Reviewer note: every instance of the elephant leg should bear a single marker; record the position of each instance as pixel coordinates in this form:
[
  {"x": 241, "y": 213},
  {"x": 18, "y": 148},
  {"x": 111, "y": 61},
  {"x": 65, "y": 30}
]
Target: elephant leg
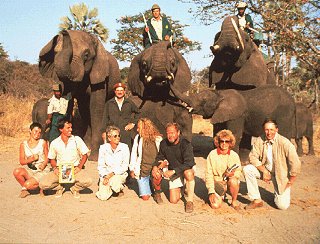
[
  {"x": 299, "y": 146},
  {"x": 184, "y": 119},
  {"x": 97, "y": 103},
  {"x": 83, "y": 106},
  {"x": 310, "y": 145}
]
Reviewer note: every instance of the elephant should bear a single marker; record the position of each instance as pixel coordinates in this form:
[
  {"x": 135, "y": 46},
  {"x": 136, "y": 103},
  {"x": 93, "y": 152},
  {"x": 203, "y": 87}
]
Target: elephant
[
  {"x": 243, "y": 112},
  {"x": 238, "y": 63},
  {"x": 79, "y": 60},
  {"x": 304, "y": 125},
  {"x": 162, "y": 113},
  {"x": 160, "y": 73}
]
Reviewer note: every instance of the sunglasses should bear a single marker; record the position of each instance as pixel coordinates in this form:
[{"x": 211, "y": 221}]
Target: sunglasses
[
  {"x": 115, "y": 136},
  {"x": 224, "y": 141}
]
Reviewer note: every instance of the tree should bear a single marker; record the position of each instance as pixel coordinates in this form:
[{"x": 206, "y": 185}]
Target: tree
[
  {"x": 129, "y": 41},
  {"x": 84, "y": 20},
  {"x": 292, "y": 27},
  {"x": 3, "y": 53}
]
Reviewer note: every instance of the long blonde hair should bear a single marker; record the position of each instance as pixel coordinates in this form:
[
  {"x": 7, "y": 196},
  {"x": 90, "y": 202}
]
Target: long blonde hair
[{"x": 149, "y": 131}]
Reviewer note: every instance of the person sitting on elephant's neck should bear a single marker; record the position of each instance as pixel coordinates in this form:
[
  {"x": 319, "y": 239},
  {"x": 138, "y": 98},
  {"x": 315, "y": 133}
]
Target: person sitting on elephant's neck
[
  {"x": 158, "y": 27},
  {"x": 272, "y": 158},
  {"x": 57, "y": 109},
  {"x": 223, "y": 170},
  {"x": 121, "y": 112},
  {"x": 245, "y": 20}
]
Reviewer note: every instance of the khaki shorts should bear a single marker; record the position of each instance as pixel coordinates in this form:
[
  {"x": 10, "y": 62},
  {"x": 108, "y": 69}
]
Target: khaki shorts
[
  {"x": 37, "y": 174},
  {"x": 179, "y": 182}
]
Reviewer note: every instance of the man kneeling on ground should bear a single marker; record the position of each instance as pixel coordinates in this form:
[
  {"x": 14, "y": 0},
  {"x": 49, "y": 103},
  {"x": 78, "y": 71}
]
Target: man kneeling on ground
[{"x": 174, "y": 161}]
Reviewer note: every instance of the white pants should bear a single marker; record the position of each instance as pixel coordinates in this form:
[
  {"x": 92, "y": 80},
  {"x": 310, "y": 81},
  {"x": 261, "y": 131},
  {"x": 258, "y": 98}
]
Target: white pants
[
  {"x": 115, "y": 184},
  {"x": 251, "y": 174}
]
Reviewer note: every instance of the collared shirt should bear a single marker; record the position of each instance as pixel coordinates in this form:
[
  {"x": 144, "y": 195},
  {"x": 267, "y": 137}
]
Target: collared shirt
[
  {"x": 269, "y": 161},
  {"x": 220, "y": 152},
  {"x": 242, "y": 21},
  {"x": 67, "y": 153},
  {"x": 57, "y": 105},
  {"x": 119, "y": 102},
  {"x": 157, "y": 25},
  {"x": 116, "y": 161}
]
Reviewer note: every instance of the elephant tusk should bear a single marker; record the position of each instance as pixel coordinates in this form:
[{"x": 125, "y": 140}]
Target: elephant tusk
[
  {"x": 214, "y": 48},
  {"x": 169, "y": 77},
  {"x": 149, "y": 78},
  {"x": 172, "y": 75},
  {"x": 238, "y": 33}
]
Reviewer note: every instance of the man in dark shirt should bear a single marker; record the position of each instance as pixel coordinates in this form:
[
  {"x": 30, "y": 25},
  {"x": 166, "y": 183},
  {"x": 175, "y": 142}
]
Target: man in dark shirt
[
  {"x": 121, "y": 112},
  {"x": 175, "y": 161}
]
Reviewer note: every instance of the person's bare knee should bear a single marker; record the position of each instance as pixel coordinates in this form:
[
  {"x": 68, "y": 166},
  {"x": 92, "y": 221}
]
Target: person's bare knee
[
  {"x": 174, "y": 195},
  {"x": 189, "y": 174}
]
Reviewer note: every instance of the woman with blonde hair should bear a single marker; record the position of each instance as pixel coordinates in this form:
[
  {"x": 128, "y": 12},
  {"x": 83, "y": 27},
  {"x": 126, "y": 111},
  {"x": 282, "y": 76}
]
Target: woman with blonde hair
[
  {"x": 223, "y": 170},
  {"x": 144, "y": 151}
]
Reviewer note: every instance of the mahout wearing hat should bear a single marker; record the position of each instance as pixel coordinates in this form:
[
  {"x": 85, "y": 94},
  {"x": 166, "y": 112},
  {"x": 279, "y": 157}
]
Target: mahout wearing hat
[
  {"x": 119, "y": 85},
  {"x": 155, "y": 6}
]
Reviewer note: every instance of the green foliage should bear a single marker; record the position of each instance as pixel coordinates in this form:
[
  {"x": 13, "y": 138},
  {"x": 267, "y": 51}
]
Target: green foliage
[
  {"x": 85, "y": 20},
  {"x": 3, "y": 53},
  {"x": 130, "y": 41}
]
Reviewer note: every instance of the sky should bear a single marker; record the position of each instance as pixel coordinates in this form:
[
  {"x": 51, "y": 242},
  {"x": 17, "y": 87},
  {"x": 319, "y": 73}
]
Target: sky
[{"x": 28, "y": 25}]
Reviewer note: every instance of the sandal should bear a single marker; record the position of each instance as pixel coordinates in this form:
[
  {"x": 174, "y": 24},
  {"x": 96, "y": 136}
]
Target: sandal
[{"x": 236, "y": 207}]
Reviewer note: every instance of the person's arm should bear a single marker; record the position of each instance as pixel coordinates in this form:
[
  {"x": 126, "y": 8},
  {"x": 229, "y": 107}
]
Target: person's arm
[
  {"x": 102, "y": 168},
  {"x": 294, "y": 164},
  {"x": 135, "y": 112},
  {"x": 54, "y": 166},
  {"x": 134, "y": 156},
  {"x": 167, "y": 29},
  {"x": 22, "y": 156},
  {"x": 209, "y": 177},
  {"x": 45, "y": 156},
  {"x": 187, "y": 157}
]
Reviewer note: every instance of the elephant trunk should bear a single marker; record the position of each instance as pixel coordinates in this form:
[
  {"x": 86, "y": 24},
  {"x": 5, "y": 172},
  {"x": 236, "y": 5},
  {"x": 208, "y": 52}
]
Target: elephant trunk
[{"x": 68, "y": 66}]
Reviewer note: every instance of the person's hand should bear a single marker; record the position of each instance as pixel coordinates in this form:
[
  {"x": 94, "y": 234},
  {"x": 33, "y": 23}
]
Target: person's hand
[
  {"x": 48, "y": 121},
  {"x": 42, "y": 166},
  {"x": 156, "y": 173},
  {"x": 163, "y": 164},
  {"x": 168, "y": 173},
  {"x": 215, "y": 200},
  {"x": 35, "y": 157},
  {"x": 146, "y": 29},
  {"x": 266, "y": 176},
  {"x": 132, "y": 174},
  {"x": 106, "y": 180},
  {"x": 56, "y": 171},
  {"x": 166, "y": 38},
  {"x": 289, "y": 184},
  {"x": 229, "y": 174},
  {"x": 129, "y": 126},
  {"x": 77, "y": 170}
]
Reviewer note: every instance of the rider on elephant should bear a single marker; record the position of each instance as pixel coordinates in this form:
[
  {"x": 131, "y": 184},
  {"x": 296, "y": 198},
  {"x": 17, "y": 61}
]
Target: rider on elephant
[
  {"x": 245, "y": 20},
  {"x": 158, "y": 27},
  {"x": 57, "y": 109}
]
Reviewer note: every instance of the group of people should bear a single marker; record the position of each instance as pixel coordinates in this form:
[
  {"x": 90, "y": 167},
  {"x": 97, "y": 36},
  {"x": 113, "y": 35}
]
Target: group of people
[{"x": 152, "y": 158}]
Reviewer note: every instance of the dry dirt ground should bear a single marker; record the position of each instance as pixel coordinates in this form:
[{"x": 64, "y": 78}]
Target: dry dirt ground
[{"x": 47, "y": 219}]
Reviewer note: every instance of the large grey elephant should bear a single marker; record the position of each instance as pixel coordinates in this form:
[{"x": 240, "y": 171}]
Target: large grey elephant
[
  {"x": 237, "y": 62},
  {"x": 304, "y": 125},
  {"x": 160, "y": 73},
  {"x": 88, "y": 71},
  {"x": 244, "y": 112}
]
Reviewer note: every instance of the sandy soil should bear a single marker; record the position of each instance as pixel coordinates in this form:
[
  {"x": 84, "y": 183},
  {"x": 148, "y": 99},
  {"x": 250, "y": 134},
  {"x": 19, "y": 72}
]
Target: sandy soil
[{"x": 128, "y": 218}]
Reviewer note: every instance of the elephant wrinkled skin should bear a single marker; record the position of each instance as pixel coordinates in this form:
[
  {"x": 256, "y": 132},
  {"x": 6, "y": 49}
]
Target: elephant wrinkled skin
[{"x": 88, "y": 71}]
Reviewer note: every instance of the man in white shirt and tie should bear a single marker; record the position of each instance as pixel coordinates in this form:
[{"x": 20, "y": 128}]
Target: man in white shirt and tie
[{"x": 272, "y": 158}]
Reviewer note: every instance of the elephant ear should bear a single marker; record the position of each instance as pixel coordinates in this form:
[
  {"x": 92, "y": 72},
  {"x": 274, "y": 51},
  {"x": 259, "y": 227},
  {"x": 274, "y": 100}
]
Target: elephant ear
[
  {"x": 232, "y": 106},
  {"x": 182, "y": 80},
  {"x": 135, "y": 82},
  {"x": 100, "y": 68},
  {"x": 46, "y": 59}
]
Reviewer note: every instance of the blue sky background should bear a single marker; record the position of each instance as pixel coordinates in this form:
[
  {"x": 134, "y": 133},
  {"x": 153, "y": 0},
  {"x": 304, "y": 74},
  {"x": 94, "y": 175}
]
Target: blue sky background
[{"x": 27, "y": 25}]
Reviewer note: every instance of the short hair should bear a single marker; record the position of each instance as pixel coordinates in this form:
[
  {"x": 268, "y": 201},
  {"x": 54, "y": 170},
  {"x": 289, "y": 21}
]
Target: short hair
[
  {"x": 173, "y": 124},
  {"x": 35, "y": 124},
  {"x": 225, "y": 134},
  {"x": 270, "y": 120},
  {"x": 111, "y": 128},
  {"x": 62, "y": 121}
]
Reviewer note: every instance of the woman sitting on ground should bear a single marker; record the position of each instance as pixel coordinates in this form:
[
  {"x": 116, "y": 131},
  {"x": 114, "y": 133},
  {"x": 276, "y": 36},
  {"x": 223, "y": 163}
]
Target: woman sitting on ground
[
  {"x": 144, "y": 151},
  {"x": 34, "y": 158},
  {"x": 223, "y": 170}
]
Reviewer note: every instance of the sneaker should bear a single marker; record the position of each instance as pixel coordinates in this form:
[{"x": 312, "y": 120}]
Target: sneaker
[
  {"x": 253, "y": 205},
  {"x": 157, "y": 198},
  {"x": 24, "y": 193},
  {"x": 75, "y": 193},
  {"x": 59, "y": 192},
  {"x": 189, "y": 207}
]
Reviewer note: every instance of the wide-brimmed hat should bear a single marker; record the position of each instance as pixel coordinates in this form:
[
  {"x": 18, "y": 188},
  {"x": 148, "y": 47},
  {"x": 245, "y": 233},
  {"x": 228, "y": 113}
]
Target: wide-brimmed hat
[
  {"x": 155, "y": 6},
  {"x": 241, "y": 5},
  {"x": 56, "y": 87},
  {"x": 119, "y": 85}
]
